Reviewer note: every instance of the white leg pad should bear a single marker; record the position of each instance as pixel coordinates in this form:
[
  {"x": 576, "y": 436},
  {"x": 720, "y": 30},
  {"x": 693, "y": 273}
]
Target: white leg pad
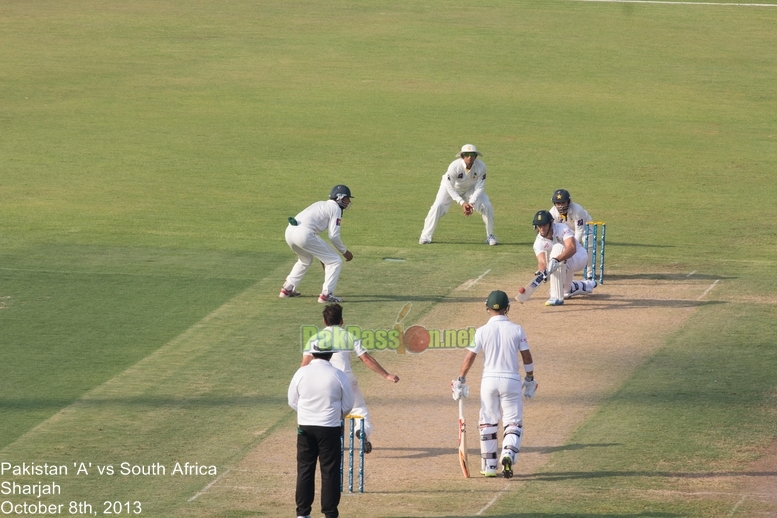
[
  {"x": 582, "y": 288},
  {"x": 512, "y": 441},
  {"x": 488, "y": 446},
  {"x": 557, "y": 279}
]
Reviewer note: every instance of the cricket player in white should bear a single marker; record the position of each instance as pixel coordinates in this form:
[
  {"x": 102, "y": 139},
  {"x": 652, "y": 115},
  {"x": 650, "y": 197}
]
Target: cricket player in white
[
  {"x": 559, "y": 256},
  {"x": 302, "y": 236},
  {"x": 464, "y": 182},
  {"x": 501, "y": 342},
  {"x": 564, "y": 210},
  {"x": 344, "y": 344}
]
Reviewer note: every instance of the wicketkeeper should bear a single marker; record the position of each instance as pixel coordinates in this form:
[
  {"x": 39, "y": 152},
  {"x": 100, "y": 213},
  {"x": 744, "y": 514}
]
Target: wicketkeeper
[
  {"x": 574, "y": 216},
  {"x": 501, "y": 342}
]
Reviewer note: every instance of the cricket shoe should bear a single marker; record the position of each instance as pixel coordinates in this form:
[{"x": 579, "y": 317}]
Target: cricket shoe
[
  {"x": 507, "y": 467},
  {"x": 554, "y": 302},
  {"x": 424, "y": 241},
  {"x": 285, "y": 294},
  {"x": 491, "y": 240},
  {"x": 489, "y": 473},
  {"x": 326, "y": 298}
]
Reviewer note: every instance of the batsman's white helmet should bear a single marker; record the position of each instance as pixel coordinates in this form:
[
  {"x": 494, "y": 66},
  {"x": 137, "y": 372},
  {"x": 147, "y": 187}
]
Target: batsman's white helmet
[{"x": 468, "y": 148}]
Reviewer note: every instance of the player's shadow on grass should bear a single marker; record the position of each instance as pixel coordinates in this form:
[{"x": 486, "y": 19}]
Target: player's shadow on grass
[
  {"x": 545, "y": 450},
  {"x": 593, "y": 475},
  {"x": 666, "y": 277},
  {"x": 647, "y": 514},
  {"x": 440, "y": 299},
  {"x": 599, "y": 301},
  {"x": 579, "y": 515},
  {"x": 181, "y": 403},
  {"x": 424, "y": 453}
]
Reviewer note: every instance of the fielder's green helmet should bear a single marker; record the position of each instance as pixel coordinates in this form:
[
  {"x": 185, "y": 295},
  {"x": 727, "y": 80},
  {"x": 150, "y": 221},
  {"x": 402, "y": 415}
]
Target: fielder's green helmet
[
  {"x": 497, "y": 300},
  {"x": 543, "y": 217}
]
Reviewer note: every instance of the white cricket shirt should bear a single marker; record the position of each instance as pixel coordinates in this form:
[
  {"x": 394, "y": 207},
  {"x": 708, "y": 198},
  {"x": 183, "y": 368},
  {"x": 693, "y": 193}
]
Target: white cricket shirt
[
  {"x": 500, "y": 342},
  {"x": 458, "y": 180},
  {"x": 321, "y": 216},
  {"x": 321, "y": 394}
]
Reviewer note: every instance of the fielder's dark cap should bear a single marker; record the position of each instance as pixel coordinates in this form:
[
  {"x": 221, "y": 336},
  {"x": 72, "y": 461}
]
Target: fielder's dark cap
[{"x": 497, "y": 300}]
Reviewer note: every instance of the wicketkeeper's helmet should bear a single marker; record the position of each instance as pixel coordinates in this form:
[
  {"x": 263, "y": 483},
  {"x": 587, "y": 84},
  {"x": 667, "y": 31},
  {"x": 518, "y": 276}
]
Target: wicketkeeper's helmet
[
  {"x": 561, "y": 196},
  {"x": 543, "y": 217},
  {"x": 339, "y": 191}
]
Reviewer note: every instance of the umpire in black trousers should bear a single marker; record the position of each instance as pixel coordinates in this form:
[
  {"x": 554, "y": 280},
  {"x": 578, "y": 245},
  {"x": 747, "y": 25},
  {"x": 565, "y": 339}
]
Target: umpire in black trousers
[{"x": 322, "y": 395}]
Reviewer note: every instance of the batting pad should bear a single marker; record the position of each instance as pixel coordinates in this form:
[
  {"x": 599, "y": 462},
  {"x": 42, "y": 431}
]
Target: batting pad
[{"x": 557, "y": 279}]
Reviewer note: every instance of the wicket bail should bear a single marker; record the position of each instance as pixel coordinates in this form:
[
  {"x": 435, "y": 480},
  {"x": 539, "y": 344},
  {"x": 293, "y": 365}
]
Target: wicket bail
[
  {"x": 591, "y": 228},
  {"x": 351, "y": 433}
]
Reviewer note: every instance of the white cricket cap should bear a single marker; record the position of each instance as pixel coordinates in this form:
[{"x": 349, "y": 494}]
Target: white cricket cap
[{"x": 468, "y": 148}]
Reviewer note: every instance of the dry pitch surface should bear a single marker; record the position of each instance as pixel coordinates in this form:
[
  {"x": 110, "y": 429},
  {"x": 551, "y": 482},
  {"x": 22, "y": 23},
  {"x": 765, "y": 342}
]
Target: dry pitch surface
[{"x": 583, "y": 352}]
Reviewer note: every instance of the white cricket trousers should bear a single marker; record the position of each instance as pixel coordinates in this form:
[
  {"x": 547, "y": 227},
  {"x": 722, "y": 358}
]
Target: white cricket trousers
[
  {"x": 500, "y": 399},
  {"x": 360, "y": 407},
  {"x": 308, "y": 245},
  {"x": 574, "y": 264},
  {"x": 443, "y": 203}
]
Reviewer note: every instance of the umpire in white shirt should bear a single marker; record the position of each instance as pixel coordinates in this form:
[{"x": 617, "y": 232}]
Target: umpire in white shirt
[{"x": 322, "y": 396}]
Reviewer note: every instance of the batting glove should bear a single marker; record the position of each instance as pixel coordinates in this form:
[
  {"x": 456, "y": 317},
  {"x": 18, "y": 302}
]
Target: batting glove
[
  {"x": 529, "y": 388},
  {"x": 460, "y": 389},
  {"x": 553, "y": 266},
  {"x": 544, "y": 274}
]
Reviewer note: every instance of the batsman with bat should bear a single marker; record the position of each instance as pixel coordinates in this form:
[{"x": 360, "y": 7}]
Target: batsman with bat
[
  {"x": 559, "y": 256},
  {"x": 501, "y": 343},
  {"x": 464, "y": 182}
]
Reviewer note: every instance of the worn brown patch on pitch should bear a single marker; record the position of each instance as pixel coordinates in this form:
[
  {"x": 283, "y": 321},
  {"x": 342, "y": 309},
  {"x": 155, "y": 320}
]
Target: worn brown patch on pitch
[{"x": 583, "y": 352}]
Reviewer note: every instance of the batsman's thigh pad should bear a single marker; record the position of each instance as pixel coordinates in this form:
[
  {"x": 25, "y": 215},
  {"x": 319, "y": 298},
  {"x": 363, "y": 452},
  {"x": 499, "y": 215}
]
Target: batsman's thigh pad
[{"x": 577, "y": 262}]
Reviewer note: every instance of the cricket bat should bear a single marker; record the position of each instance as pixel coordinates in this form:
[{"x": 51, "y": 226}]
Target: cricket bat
[
  {"x": 529, "y": 289},
  {"x": 463, "y": 441},
  {"x": 402, "y": 314}
]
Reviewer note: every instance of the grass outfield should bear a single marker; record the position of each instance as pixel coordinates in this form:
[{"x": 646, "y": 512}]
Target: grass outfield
[{"x": 152, "y": 151}]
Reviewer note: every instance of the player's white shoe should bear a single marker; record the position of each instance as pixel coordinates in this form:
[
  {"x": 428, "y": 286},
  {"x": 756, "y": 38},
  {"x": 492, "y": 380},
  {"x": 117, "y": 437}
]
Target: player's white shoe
[
  {"x": 491, "y": 240},
  {"x": 289, "y": 293},
  {"x": 554, "y": 302},
  {"x": 328, "y": 298},
  {"x": 424, "y": 241},
  {"x": 489, "y": 472}
]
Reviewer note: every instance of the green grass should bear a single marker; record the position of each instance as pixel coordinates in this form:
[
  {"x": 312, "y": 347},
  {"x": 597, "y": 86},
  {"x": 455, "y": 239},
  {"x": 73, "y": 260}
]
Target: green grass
[
  {"x": 703, "y": 406},
  {"x": 152, "y": 151}
]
